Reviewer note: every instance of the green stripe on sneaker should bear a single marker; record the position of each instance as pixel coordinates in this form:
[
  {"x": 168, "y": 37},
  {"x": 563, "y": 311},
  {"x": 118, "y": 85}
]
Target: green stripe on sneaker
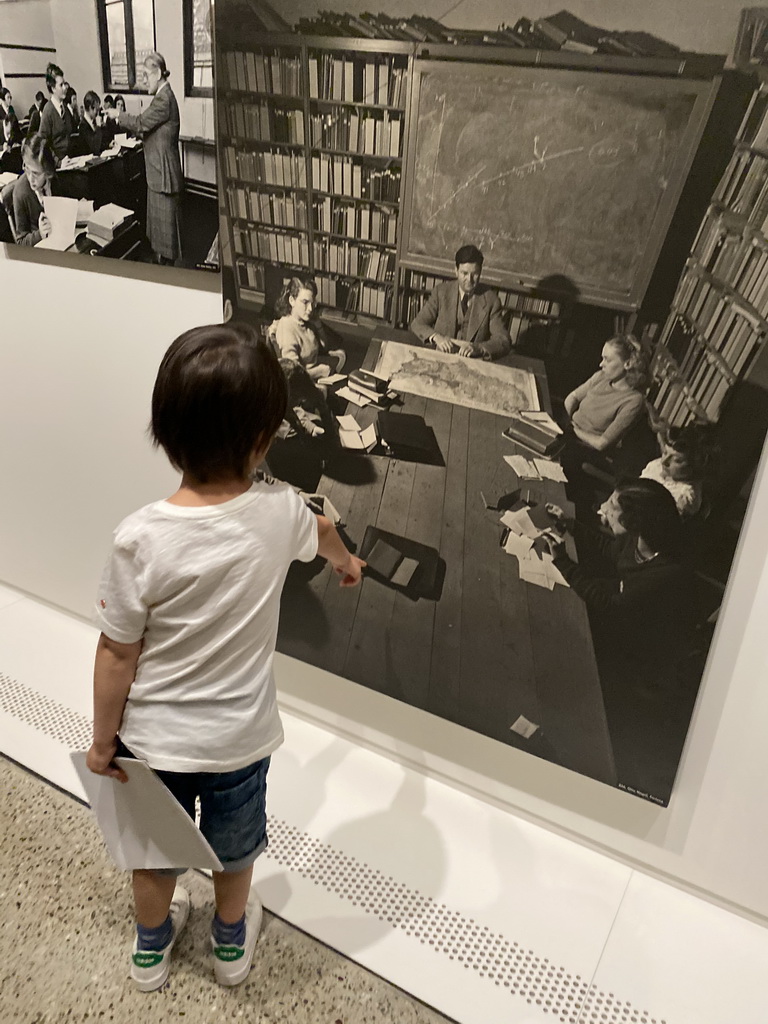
[
  {"x": 145, "y": 958},
  {"x": 229, "y": 953}
]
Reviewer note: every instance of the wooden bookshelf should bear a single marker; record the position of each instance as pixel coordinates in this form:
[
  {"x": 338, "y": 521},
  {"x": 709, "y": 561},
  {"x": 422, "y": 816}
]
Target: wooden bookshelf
[
  {"x": 313, "y": 139},
  {"x": 718, "y": 321}
]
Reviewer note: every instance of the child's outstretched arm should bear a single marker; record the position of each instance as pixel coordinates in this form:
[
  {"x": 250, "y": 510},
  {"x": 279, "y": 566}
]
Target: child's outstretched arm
[
  {"x": 331, "y": 547},
  {"x": 113, "y": 673}
]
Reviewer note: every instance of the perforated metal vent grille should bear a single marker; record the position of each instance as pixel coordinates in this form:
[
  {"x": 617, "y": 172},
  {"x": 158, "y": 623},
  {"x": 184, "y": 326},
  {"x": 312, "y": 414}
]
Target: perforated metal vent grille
[{"x": 569, "y": 998}]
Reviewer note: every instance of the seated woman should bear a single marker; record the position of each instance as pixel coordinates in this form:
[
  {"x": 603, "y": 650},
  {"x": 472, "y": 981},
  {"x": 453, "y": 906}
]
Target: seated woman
[
  {"x": 300, "y": 339},
  {"x": 687, "y": 460},
  {"x": 37, "y": 181},
  {"x": 10, "y": 146}
]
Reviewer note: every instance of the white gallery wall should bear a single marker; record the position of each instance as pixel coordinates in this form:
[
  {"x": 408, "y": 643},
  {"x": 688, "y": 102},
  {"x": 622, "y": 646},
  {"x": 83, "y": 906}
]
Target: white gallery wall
[{"x": 78, "y": 353}]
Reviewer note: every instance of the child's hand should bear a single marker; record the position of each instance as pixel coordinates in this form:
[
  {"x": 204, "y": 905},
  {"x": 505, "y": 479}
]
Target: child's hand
[
  {"x": 44, "y": 226},
  {"x": 99, "y": 761},
  {"x": 351, "y": 571}
]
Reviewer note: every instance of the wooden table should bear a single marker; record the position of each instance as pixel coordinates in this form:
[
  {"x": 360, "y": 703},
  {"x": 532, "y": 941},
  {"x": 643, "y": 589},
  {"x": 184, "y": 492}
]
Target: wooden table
[{"x": 492, "y": 647}]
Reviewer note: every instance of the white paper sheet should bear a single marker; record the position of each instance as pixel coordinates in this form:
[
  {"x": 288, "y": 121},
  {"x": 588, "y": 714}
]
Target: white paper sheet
[
  {"x": 523, "y": 467},
  {"x": 353, "y": 397},
  {"x": 521, "y": 523},
  {"x": 334, "y": 378},
  {"x": 348, "y": 422},
  {"x": 517, "y": 545},
  {"x": 550, "y": 470},
  {"x": 369, "y": 436},
  {"x": 143, "y": 825},
  {"x": 351, "y": 439},
  {"x": 62, "y": 213}
]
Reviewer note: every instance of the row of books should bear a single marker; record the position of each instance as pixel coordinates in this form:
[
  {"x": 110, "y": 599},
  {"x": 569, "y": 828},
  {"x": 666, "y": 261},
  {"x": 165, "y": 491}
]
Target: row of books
[
  {"x": 695, "y": 389},
  {"x": 345, "y": 176},
  {"x": 368, "y": 223},
  {"x": 740, "y": 263},
  {"x": 721, "y": 321},
  {"x": 561, "y": 31},
  {"x": 354, "y": 296},
  {"x": 262, "y": 122},
  {"x": 251, "y": 276},
  {"x": 265, "y": 71},
  {"x": 369, "y": 82},
  {"x": 287, "y": 210},
  {"x": 744, "y": 186},
  {"x": 754, "y": 126},
  {"x": 269, "y": 167},
  {"x": 374, "y": 133},
  {"x": 273, "y": 245},
  {"x": 354, "y": 260}
]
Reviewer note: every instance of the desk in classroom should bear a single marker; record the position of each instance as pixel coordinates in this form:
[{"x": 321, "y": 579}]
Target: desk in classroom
[
  {"x": 118, "y": 179},
  {"x": 492, "y": 647}
]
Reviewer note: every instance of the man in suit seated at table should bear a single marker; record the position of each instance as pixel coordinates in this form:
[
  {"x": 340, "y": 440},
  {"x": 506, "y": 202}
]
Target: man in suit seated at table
[
  {"x": 464, "y": 317},
  {"x": 56, "y": 122}
]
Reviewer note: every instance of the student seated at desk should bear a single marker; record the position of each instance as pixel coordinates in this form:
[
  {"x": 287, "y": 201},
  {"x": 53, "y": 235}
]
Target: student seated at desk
[
  {"x": 37, "y": 181},
  {"x": 10, "y": 147},
  {"x": 120, "y": 105},
  {"x": 464, "y": 317},
  {"x": 74, "y": 107},
  {"x": 300, "y": 339},
  {"x": 95, "y": 135},
  {"x": 6, "y": 106},
  {"x": 35, "y": 113}
]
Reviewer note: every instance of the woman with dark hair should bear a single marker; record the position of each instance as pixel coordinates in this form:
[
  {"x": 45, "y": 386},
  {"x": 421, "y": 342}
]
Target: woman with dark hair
[
  {"x": 159, "y": 128},
  {"x": 297, "y": 336},
  {"x": 687, "y": 462},
  {"x": 37, "y": 182},
  {"x": 120, "y": 104}
]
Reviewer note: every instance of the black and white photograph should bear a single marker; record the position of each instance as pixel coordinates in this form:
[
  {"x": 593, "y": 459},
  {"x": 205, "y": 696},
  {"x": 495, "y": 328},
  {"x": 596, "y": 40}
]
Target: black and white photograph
[
  {"x": 108, "y": 144},
  {"x": 514, "y": 264}
]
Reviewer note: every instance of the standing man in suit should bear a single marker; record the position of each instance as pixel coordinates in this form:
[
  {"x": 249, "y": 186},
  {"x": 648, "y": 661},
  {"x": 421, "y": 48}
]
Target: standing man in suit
[
  {"x": 464, "y": 317},
  {"x": 56, "y": 122},
  {"x": 159, "y": 127}
]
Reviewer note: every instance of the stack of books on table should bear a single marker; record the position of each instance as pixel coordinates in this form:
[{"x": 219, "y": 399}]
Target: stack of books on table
[
  {"x": 108, "y": 222},
  {"x": 374, "y": 389},
  {"x": 534, "y": 430}
]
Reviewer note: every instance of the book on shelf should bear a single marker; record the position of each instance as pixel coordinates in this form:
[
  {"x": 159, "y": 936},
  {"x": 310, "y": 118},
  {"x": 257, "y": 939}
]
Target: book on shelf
[
  {"x": 354, "y": 259},
  {"x": 268, "y": 167},
  {"x": 372, "y": 133},
  {"x": 344, "y": 176},
  {"x": 752, "y": 36},
  {"x": 355, "y": 220},
  {"x": 367, "y": 82},
  {"x": 260, "y": 121},
  {"x": 262, "y": 72}
]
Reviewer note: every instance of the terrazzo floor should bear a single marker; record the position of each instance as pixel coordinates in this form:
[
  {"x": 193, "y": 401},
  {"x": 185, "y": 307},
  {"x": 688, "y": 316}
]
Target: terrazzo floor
[{"x": 67, "y": 926}]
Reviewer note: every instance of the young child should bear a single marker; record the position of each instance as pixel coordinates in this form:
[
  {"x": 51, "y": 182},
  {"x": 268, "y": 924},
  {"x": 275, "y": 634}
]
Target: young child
[
  {"x": 188, "y": 608},
  {"x": 687, "y": 454},
  {"x": 297, "y": 337}
]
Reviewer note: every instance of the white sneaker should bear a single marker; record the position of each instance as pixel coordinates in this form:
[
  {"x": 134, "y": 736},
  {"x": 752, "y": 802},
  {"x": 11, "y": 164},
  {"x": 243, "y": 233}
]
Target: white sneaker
[
  {"x": 149, "y": 967},
  {"x": 231, "y": 964}
]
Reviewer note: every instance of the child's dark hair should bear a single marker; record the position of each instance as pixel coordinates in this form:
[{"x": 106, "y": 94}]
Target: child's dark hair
[
  {"x": 697, "y": 444},
  {"x": 219, "y": 394},
  {"x": 291, "y": 291}
]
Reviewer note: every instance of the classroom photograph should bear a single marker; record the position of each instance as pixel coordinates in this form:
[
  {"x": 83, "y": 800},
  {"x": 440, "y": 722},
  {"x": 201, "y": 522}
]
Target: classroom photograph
[
  {"x": 516, "y": 273},
  {"x": 108, "y": 144}
]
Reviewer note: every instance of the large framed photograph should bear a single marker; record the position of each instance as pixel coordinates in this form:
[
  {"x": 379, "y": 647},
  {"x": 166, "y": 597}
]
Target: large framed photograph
[
  {"x": 517, "y": 280},
  {"x": 108, "y": 145}
]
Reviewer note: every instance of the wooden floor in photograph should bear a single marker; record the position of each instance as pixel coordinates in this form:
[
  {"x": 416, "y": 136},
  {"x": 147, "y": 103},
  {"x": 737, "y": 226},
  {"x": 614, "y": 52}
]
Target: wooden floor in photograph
[{"x": 488, "y": 647}]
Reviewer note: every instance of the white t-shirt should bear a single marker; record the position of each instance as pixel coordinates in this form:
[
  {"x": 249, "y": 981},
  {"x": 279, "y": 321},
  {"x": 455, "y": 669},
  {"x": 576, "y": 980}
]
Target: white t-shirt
[
  {"x": 687, "y": 496},
  {"x": 202, "y": 587}
]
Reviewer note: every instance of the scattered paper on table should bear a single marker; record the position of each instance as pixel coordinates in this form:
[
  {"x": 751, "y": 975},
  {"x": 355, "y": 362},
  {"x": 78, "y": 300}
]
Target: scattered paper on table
[
  {"x": 523, "y": 727},
  {"x": 369, "y": 437},
  {"x": 351, "y": 439},
  {"x": 348, "y": 422},
  {"x": 522, "y": 466},
  {"x": 334, "y": 378},
  {"x": 517, "y": 545},
  {"x": 550, "y": 470},
  {"x": 520, "y": 523},
  {"x": 62, "y": 213},
  {"x": 352, "y": 396},
  {"x": 533, "y": 570}
]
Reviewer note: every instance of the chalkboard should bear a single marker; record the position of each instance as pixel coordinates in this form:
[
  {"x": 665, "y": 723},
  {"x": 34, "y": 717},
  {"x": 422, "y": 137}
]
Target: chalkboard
[{"x": 549, "y": 171}]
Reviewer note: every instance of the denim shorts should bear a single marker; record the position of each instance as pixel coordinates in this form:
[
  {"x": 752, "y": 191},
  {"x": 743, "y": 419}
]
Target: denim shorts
[{"x": 233, "y": 816}]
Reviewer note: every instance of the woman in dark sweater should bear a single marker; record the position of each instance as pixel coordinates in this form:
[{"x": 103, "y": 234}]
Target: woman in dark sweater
[{"x": 643, "y": 612}]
